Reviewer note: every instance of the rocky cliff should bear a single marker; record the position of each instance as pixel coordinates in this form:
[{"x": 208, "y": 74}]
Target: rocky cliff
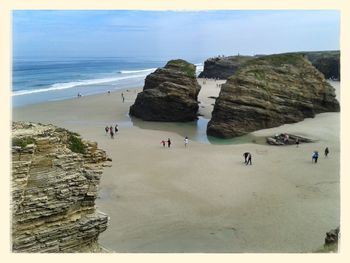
[
  {"x": 55, "y": 177},
  {"x": 169, "y": 94},
  {"x": 270, "y": 91},
  {"x": 327, "y": 62},
  {"x": 222, "y": 67}
]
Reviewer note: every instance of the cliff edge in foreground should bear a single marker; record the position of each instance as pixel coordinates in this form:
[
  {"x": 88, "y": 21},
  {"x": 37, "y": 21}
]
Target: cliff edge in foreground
[{"x": 55, "y": 177}]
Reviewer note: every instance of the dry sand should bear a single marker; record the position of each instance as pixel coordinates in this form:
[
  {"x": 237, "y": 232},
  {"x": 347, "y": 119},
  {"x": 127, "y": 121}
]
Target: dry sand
[{"x": 203, "y": 198}]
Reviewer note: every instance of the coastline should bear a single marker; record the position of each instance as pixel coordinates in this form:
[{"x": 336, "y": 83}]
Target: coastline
[{"x": 203, "y": 198}]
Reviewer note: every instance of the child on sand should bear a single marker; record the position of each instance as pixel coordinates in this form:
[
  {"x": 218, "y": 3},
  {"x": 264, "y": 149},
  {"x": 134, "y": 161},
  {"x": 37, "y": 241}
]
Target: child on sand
[
  {"x": 106, "y": 129},
  {"x": 163, "y": 143},
  {"x": 186, "y": 141},
  {"x": 112, "y": 134},
  {"x": 116, "y": 128}
]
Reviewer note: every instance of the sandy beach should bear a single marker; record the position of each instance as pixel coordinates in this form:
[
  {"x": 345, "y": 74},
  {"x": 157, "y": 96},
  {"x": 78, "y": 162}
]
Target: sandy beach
[{"x": 203, "y": 198}]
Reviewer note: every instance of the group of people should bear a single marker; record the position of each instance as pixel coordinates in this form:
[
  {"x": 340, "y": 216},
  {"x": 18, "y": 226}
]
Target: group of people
[
  {"x": 315, "y": 155},
  {"x": 248, "y": 156},
  {"x": 110, "y": 130},
  {"x": 163, "y": 142},
  {"x": 168, "y": 142}
]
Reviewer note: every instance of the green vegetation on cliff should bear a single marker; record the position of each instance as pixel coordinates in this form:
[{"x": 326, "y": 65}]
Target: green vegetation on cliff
[
  {"x": 277, "y": 60},
  {"x": 183, "y": 66},
  {"x": 22, "y": 142},
  {"x": 75, "y": 144}
]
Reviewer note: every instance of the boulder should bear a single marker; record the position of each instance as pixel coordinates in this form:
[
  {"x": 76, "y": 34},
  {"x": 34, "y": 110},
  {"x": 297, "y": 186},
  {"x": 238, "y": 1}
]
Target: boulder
[
  {"x": 286, "y": 139},
  {"x": 169, "y": 94},
  {"x": 270, "y": 91},
  {"x": 332, "y": 237}
]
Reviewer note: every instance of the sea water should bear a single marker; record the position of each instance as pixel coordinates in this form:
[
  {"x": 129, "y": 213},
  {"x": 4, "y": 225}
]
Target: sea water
[{"x": 36, "y": 80}]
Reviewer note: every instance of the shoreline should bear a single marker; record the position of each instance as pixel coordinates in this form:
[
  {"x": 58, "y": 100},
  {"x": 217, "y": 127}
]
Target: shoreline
[{"x": 203, "y": 198}]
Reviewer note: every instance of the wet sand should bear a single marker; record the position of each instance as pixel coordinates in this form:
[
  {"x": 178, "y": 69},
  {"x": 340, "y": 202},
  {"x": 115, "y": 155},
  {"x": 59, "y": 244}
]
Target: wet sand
[{"x": 203, "y": 198}]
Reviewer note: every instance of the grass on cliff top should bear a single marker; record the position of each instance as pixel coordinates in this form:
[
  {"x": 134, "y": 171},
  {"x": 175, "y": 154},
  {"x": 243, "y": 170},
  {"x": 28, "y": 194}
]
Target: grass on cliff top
[
  {"x": 22, "y": 142},
  {"x": 75, "y": 144},
  {"x": 184, "y": 66},
  {"x": 277, "y": 60},
  {"x": 272, "y": 60}
]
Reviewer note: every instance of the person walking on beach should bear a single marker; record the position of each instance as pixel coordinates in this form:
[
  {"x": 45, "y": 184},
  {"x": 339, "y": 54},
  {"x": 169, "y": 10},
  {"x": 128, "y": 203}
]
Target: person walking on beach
[
  {"x": 186, "y": 141},
  {"x": 246, "y": 157},
  {"x": 249, "y": 159},
  {"x": 106, "y": 129},
  {"x": 163, "y": 143},
  {"x": 326, "y": 152},
  {"x": 123, "y": 97},
  {"x": 169, "y": 142},
  {"x": 116, "y": 128},
  {"x": 297, "y": 142},
  {"x": 111, "y": 133},
  {"x": 315, "y": 156}
]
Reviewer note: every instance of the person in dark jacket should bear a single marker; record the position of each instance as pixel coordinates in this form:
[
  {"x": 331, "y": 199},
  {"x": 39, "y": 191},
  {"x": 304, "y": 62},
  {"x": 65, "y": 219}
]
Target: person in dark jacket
[
  {"x": 326, "y": 152},
  {"x": 245, "y": 157}
]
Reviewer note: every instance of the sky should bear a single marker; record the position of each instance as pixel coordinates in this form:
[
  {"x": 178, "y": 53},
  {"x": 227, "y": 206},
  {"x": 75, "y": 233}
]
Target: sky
[{"x": 172, "y": 34}]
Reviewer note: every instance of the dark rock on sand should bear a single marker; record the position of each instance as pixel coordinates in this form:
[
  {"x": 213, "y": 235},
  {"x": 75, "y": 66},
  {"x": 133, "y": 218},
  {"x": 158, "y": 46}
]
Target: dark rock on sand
[
  {"x": 268, "y": 92},
  {"x": 169, "y": 94},
  {"x": 332, "y": 237},
  {"x": 222, "y": 67},
  {"x": 286, "y": 139}
]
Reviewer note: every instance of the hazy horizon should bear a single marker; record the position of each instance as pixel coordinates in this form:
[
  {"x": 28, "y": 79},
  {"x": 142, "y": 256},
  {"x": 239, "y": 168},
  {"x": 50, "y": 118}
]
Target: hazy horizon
[{"x": 172, "y": 34}]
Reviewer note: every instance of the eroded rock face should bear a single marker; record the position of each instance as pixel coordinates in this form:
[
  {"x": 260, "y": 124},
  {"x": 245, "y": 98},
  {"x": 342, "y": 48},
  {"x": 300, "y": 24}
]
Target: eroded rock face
[
  {"x": 327, "y": 62},
  {"x": 223, "y": 67},
  {"x": 54, "y": 191},
  {"x": 268, "y": 92},
  {"x": 169, "y": 94}
]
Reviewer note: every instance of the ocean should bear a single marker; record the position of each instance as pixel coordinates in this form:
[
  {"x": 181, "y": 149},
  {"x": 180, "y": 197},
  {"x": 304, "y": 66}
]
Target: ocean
[{"x": 36, "y": 80}]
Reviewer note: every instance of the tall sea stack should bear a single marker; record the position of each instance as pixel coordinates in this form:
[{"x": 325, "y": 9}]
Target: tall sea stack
[
  {"x": 169, "y": 94},
  {"x": 270, "y": 91}
]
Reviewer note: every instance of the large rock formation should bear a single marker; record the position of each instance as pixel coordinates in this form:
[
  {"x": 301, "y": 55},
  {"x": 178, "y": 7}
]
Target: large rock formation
[
  {"x": 268, "y": 92},
  {"x": 223, "y": 67},
  {"x": 54, "y": 190},
  {"x": 169, "y": 94},
  {"x": 327, "y": 62}
]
